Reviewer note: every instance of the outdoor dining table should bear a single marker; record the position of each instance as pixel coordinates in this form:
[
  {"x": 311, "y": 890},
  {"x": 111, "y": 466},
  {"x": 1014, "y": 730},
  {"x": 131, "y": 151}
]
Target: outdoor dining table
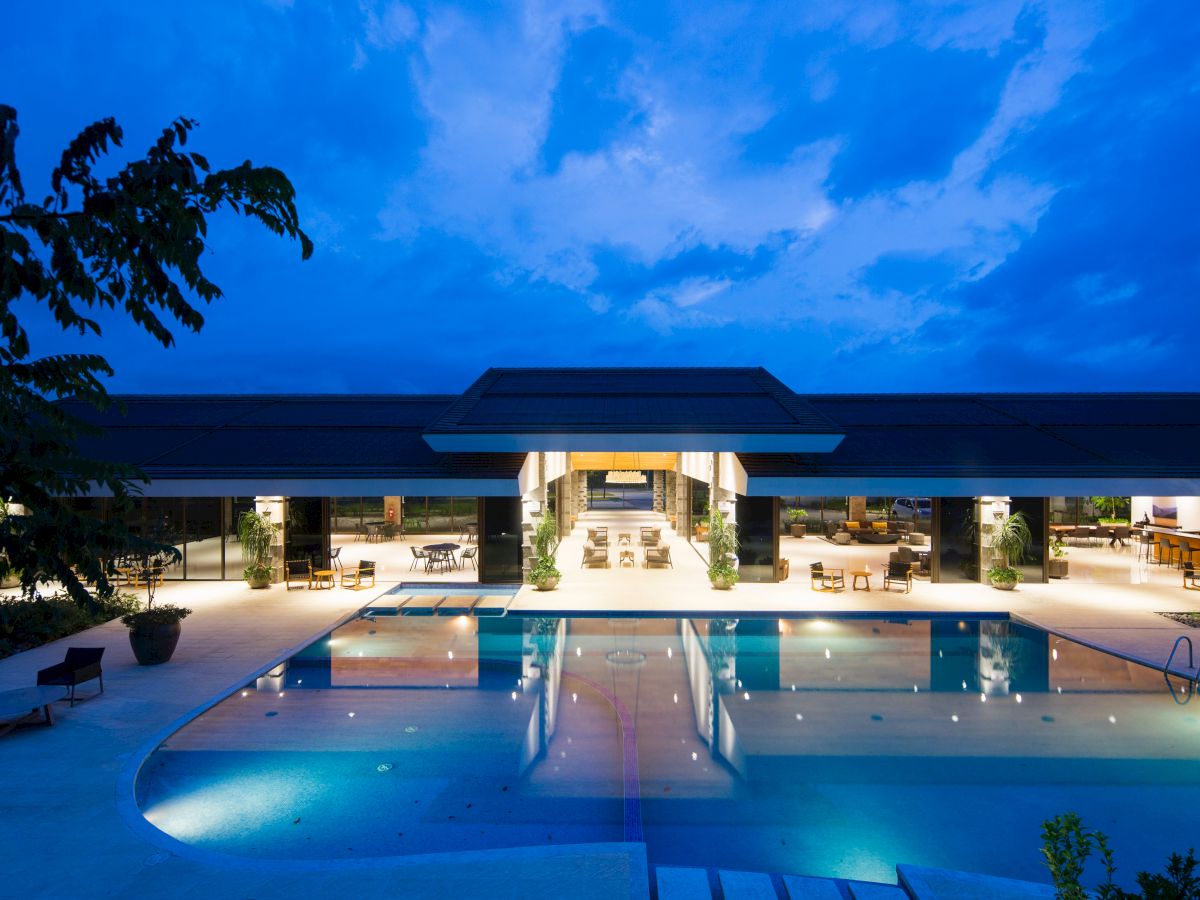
[{"x": 443, "y": 554}]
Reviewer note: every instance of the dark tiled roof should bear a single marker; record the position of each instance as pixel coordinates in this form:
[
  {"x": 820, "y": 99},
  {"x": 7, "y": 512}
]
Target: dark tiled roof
[
  {"x": 642, "y": 400},
  {"x": 293, "y": 436},
  {"x": 1026, "y": 435}
]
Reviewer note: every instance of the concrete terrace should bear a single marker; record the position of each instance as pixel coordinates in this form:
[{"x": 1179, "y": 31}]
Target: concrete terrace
[{"x": 65, "y": 835}]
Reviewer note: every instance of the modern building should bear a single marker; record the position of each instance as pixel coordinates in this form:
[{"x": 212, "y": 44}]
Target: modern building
[{"x": 919, "y": 477}]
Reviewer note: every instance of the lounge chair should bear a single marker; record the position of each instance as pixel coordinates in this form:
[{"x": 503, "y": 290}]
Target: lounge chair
[
  {"x": 355, "y": 577},
  {"x": 827, "y": 579},
  {"x": 593, "y": 555},
  {"x": 297, "y": 570},
  {"x": 898, "y": 573},
  {"x": 82, "y": 664},
  {"x": 658, "y": 555}
]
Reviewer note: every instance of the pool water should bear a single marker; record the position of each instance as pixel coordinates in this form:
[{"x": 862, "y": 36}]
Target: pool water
[{"x": 835, "y": 747}]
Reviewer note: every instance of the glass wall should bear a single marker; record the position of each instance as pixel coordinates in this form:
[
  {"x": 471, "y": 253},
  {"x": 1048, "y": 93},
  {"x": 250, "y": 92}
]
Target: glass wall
[
  {"x": 438, "y": 515},
  {"x": 1033, "y": 566},
  {"x": 957, "y": 540},
  {"x": 1089, "y": 510},
  {"x": 305, "y": 532},
  {"x": 204, "y": 542},
  {"x": 698, "y": 504},
  {"x": 500, "y": 540},
  {"x": 756, "y": 529}
]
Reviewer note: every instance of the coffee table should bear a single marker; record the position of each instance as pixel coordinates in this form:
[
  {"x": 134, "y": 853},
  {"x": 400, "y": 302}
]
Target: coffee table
[
  {"x": 19, "y": 705},
  {"x": 626, "y": 556},
  {"x": 323, "y": 579},
  {"x": 864, "y": 574}
]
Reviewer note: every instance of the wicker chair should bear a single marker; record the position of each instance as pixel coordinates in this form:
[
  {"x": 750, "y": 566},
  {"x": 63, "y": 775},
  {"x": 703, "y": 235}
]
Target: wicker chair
[
  {"x": 355, "y": 577},
  {"x": 827, "y": 579},
  {"x": 298, "y": 570},
  {"x": 898, "y": 573}
]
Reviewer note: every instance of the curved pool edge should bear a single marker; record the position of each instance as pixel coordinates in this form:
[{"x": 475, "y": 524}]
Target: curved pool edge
[
  {"x": 131, "y": 813},
  {"x": 126, "y": 787}
]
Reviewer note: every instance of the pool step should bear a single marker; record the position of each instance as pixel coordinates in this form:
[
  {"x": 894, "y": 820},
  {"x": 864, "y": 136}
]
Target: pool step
[
  {"x": 680, "y": 883},
  {"x": 677, "y": 883},
  {"x": 916, "y": 883},
  {"x": 866, "y": 890},
  {"x": 802, "y": 887},
  {"x": 747, "y": 886}
]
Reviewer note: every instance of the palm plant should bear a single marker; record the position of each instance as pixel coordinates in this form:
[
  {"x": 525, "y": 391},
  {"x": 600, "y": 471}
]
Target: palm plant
[
  {"x": 1011, "y": 540},
  {"x": 256, "y": 532},
  {"x": 545, "y": 545},
  {"x": 722, "y": 548}
]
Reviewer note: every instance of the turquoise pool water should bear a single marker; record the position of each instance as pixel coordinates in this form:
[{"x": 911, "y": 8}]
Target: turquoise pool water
[{"x": 823, "y": 746}]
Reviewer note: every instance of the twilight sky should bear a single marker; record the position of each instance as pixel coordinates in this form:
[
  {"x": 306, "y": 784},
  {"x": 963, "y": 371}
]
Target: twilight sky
[{"x": 860, "y": 195}]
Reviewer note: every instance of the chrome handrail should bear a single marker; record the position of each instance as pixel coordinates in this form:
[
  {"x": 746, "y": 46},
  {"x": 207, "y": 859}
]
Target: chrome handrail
[
  {"x": 1189, "y": 681},
  {"x": 1174, "y": 649}
]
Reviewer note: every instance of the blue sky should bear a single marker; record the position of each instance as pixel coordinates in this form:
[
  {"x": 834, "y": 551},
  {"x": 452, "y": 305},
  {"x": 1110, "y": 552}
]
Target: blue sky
[{"x": 857, "y": 195}]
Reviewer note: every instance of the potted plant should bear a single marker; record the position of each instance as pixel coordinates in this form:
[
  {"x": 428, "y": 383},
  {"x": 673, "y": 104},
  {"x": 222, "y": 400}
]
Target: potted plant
[
  {"x": 1004, "y": 578},
  {"x": 1010, "y": 541},
  {"x": 154, "y": 631},
  {"x": 256, "y": 532},
  {"x": 722, "y": 550},
  {"x": 1056, "y": 566},
  {"x": 796, "y": 517},
  {"x": 545, "y": 574}
]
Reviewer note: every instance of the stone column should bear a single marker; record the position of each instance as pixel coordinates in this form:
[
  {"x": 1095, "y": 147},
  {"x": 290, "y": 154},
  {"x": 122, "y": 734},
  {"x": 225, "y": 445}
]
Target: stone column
[
  {"x": 580, "y": 491},
  {"x": 669, "y": 498},
  {"x": 659, "y": 502},
  {"x": 857, "y": 510}
]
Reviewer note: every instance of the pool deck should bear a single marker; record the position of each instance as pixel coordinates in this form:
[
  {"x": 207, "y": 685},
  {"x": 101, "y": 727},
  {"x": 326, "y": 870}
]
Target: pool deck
[{"x": 65, "y": 836}]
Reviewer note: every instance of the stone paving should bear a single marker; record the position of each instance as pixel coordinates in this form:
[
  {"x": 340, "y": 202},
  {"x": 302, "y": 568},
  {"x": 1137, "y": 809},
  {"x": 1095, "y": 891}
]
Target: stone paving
[{"x": 63, "y": 835}]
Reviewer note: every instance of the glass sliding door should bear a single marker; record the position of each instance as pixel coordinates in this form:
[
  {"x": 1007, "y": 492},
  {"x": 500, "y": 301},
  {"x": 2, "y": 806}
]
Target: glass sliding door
[
  {"x": 204, "y": 537},
  {"x": 757, "y": 546},
  {"x": 957, "y": 540},
  {"x": 1034, "y": 509}
]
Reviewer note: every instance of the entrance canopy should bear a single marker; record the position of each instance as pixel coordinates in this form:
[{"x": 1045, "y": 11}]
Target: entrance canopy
[{"x": 645, "y": 409}]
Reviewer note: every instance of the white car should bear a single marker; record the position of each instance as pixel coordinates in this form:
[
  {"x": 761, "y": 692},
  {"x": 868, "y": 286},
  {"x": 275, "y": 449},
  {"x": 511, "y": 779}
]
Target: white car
[{"x": 912, "y": 508}]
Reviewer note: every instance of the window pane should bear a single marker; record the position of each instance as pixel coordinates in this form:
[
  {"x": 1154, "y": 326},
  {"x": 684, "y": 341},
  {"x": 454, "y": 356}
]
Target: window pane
[{"x": 204, "y": 537}]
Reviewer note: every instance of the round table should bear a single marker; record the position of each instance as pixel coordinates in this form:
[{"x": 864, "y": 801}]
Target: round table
[
  {"x": 443, "y": 553},
  {"x": 864, "y": 574}
]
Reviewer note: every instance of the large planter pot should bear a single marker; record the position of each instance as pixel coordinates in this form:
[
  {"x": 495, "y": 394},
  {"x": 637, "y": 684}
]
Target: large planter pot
[
  {"x": 798, "y": 530},
  {"x": 1004, "y": 585},
  {"x": 260, "y": 582},
  {"x": 548, "y": 585},
  {"x": 154, "y": 644},
  {"x": 721, "y": 584},
  {"x": 1056, "y": 568}
]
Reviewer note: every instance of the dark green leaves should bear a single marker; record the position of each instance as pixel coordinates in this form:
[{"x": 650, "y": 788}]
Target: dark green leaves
[{"x": 131, "y": 241}]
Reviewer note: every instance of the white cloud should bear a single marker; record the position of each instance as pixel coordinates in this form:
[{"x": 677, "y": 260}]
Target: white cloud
[
  {"x": 678, "y": 181},
  {"x": 388, "y": 24}
]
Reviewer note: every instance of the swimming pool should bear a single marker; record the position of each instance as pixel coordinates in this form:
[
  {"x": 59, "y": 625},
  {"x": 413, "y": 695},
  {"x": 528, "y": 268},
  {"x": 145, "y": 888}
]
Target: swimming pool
[{"x": 823, "y": 746}]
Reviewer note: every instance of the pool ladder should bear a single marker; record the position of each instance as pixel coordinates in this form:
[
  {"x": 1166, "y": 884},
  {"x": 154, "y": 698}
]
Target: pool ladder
[{"x": 1191, "y": 681}]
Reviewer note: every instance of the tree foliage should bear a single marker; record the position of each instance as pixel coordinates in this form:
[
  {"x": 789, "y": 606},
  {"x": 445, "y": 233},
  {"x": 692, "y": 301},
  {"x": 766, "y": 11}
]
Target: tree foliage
[{"x": 133, "y": 243}]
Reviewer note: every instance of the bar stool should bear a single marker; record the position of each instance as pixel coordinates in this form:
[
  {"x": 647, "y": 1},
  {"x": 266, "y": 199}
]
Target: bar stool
[
  {"x": 1186, "y": 552},
  {"x": 1164, "y": 551},
  {"x": 1177, "y": 550}
]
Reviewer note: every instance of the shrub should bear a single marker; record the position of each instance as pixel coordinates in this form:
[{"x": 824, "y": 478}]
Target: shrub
[
  {"x": 1067, "y": 844},
  {"x": 28, "y": 623},
  {"x": 1004, "y": 574}
]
